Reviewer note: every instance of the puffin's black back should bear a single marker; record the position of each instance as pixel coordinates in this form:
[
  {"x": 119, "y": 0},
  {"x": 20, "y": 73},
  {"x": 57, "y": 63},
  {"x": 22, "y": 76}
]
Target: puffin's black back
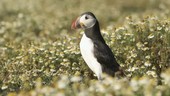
[{"x": 102, "y": 52}]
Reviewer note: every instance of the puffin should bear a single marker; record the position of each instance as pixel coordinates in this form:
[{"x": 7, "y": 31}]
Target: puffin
[{"x": 94, "y": 50}]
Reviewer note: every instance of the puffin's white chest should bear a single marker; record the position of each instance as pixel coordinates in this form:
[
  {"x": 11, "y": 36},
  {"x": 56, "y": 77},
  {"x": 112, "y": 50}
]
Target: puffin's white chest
[{"x": 87, "y": 49}]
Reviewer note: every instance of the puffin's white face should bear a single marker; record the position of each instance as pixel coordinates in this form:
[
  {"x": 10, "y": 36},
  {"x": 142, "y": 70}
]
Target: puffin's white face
[
  {"x": 87, "y": 21},
  {"x": 84, "y": 21}
]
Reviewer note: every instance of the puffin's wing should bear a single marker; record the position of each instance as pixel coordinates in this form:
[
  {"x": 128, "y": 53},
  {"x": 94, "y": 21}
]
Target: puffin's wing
[{"x": 105, "y": 57}]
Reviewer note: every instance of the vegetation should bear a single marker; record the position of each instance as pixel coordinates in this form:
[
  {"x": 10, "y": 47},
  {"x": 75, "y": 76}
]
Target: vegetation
[{"x": 39, "y": 53}]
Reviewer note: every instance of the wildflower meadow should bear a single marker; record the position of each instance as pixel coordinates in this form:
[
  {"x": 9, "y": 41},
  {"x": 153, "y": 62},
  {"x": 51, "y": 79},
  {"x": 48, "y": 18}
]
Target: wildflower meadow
[{"x": 40, "y": 55}]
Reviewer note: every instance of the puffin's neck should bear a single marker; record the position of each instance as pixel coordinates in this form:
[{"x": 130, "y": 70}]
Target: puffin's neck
[{"x": 94, "y": 33}]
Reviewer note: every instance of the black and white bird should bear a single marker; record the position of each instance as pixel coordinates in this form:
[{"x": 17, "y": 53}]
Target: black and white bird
[{"x": 94, "y": 50}]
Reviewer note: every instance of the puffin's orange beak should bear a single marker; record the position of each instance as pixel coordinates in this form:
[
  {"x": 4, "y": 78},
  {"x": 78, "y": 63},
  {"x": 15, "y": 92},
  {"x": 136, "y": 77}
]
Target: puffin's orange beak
[{"x": 76, "y": 24}]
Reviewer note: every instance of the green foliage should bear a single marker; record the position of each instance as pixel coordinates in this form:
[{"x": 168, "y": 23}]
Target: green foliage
[{"x": 39, "y": 54}]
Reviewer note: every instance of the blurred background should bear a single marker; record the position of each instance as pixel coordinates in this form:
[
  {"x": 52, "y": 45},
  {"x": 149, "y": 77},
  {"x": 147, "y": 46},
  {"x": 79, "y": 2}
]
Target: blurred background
[{"x": 54, "y": 17}]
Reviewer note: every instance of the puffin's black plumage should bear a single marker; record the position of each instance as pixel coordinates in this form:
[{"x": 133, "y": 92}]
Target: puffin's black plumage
[{"x": 101, "y": 50}]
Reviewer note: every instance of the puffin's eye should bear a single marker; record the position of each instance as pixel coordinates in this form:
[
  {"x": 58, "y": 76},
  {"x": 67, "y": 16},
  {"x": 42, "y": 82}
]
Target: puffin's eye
[{"x": 86, "y": 17}]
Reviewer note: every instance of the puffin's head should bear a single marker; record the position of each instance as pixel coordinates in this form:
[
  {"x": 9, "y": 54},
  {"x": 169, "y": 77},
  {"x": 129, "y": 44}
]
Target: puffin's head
[{"x": 84, "y": 21}]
